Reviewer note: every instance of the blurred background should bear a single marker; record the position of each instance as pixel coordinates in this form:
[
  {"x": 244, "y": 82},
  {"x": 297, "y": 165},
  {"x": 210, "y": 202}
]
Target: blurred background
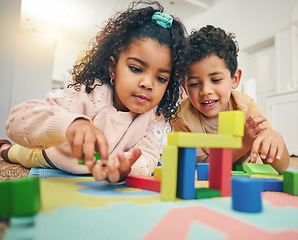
[{"x": 40, "y": 41}]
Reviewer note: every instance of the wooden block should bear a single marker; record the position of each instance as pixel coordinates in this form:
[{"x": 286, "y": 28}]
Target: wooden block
[
  {"x": 220, "y": 167},
  {"x": 169, "y": 173},
  {"x": 207, "y": 193},
  {"x": 290, "y": 183},
  {"x": 186, "y": 173},
  {"x": 231, "y": 123},
  {"x": 255, "y": 168},
  {"x": 193, "y": 140},
  {"x": 144, "y": 182}
]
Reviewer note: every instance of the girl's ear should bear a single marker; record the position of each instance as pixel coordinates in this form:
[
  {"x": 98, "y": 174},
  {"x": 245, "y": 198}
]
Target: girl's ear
[
  {"x": 236, "y": 78},
  {"x": 112, "y": 67}
]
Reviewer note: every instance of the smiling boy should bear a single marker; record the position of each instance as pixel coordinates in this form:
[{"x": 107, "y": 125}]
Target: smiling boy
[{"x": 212, "y": 78}]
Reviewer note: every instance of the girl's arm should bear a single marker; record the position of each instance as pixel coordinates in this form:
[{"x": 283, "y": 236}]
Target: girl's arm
[{"x": 43, "y": 124}]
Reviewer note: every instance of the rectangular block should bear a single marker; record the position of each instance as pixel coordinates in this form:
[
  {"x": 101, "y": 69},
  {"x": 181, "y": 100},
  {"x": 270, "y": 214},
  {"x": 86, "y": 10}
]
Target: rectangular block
[
  {"x": 169, "y": 173},
  {"x": 186, "y": 173},
  {"x": 144, "y": 182},
  {"x": 206, "y": 193},
  {"x": 202, "y": 171},
  {"x": 220, "y": 167},
  {"x": 290, "y": 183},
  {"x": 255, "y": 168},
  {"x": 157, "y": 171},
  {"x": 193, "y": 140}
]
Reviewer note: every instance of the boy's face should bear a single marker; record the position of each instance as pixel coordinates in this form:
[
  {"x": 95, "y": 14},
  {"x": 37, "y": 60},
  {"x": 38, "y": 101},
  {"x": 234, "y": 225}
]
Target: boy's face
[{"x": 209, "y": 85}]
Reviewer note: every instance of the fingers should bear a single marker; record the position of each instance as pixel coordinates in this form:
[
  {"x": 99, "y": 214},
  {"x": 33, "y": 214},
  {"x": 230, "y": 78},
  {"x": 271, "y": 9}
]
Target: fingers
[{"x": 99, "y": 172}]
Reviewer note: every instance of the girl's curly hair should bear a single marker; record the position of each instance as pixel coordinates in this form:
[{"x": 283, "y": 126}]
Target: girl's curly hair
[
  {"x": 116, "y": 36},
  {"x": 213, "y": 41}
]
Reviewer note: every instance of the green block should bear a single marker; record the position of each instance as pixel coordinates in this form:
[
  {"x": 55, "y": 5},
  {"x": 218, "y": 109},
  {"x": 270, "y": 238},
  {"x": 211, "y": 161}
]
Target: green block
[
  {"x": 97, "y": 157},
  {"x": 254, "y": 168},
  {"x": 290, "y": 182},
  {"x": 22, "y": 196},
  {"x": 239, "y": 173},
  {"x": 239, "y": 167},
  {"x": 207, "y": 193},
  {"x": 5, "y": 208}
]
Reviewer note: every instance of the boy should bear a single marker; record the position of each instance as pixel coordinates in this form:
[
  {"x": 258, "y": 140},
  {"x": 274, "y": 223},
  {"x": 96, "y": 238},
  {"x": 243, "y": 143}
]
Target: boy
[{"x": 211, "y": 79}]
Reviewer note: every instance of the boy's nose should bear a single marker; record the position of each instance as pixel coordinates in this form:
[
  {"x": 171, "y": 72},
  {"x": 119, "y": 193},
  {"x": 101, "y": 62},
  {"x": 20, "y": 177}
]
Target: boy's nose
[{"x": 206, "y": 89}]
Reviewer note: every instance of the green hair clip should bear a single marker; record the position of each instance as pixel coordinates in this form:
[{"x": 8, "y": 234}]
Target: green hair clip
[{"x": 162, "y": 19}]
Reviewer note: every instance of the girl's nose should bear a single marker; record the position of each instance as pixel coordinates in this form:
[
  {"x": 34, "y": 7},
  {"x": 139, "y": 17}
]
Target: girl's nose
[{"x": 147, "y": 83}]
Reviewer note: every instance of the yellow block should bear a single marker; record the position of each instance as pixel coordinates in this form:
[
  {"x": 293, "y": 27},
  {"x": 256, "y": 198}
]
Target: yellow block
[
  {"x": 280, "y": 177},
  {"x": 231, "y": 123},
  {"x": 157, "y": 171},
  {"x": 169, "y": 173},
  {"x": 193, "y": 140}
]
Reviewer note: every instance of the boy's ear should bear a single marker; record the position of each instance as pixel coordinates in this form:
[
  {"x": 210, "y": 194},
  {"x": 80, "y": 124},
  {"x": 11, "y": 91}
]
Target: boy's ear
[
  {"x": 236, "y": 78},
  {"x": 112, "y": 68}
]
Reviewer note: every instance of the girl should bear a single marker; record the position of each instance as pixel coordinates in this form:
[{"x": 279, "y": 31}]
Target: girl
[{"x": 123, "y": 92}]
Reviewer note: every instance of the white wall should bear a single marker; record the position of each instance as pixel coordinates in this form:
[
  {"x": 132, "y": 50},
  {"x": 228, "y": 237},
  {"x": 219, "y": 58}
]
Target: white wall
[{"x": 9, "y": 21}]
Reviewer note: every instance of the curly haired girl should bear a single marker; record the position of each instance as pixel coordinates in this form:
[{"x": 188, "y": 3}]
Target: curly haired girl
[{"x": 124, "y": 90}]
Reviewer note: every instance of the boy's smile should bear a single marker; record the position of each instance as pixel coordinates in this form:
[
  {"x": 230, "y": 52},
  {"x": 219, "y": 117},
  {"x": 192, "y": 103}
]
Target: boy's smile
[
  {"x": 142, "y": 74},
  {"x": 209, "y": 85}
]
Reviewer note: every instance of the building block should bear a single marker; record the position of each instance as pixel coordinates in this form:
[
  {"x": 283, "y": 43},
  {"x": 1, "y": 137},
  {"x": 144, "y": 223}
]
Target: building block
[
  {"x": 231, "y": 123},
  {"x": 237, "y": 167},
  {"x": 279, "y": 177},
  {"x": 193, "y": 140},
  {"x": 97, "y": 157},
  {"x": 255, "y": 168},
  {"x": 21, "y": 196},
  {"x": 186, "y": 173},
  {"x": 207, "y": 193},
  {"x": 271, "y": 184},
  {"x": 220, "y": 167},
  {"x": 169, "y": 173},
  {"x": 290, "y": 183},
  {"x": 157, "y": 171},
  {"x": 202, "y": 171},
  {"x": 144, "y": 182},
  {"x": 240, "y": 174},
  {"x": 246, "y": 194}
]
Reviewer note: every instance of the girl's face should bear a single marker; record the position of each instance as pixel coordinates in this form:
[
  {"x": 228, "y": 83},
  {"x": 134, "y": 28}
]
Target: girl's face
[
  {"x": 209, "y": 85},
  {"x": 141, "y": 76}
]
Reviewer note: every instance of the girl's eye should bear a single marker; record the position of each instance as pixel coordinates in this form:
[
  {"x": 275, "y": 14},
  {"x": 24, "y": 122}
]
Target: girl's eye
[
  {"x": 135, "y": 69},
  {"x": 162, "y": 79}
]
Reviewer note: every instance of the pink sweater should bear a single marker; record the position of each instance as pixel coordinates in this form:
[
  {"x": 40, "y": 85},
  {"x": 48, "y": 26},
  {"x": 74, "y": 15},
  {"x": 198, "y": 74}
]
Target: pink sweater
[{"x": 43, "y": 124}]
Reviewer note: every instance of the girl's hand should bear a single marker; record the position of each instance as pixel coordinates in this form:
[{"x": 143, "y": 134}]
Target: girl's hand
[
  {"x": 85, "y": 139},
  {"x": 269, "y": 144},
  {"x": 252, "y": 127},
  {"x": 118, "y": 168}
]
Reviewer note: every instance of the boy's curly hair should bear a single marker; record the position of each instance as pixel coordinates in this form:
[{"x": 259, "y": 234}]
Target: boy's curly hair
[
  {"x": 116, "y": 36},
  {"x": 213, "y": 41}
]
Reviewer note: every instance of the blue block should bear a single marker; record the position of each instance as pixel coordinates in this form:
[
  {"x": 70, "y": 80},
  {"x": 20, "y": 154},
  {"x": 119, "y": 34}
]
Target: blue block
[
  {"x": 246, "y": 194},
  {"x": 271, "y": 184},
  {"x": 203, "y": 171},
  {"x": 186, "y": 173}
]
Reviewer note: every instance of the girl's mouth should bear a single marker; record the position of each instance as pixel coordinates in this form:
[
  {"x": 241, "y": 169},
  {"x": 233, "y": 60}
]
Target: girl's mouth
[{"x": 141, "y": 98}]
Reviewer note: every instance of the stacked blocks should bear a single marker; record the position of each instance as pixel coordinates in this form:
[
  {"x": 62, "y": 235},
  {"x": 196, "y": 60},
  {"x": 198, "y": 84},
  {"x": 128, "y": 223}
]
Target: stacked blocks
[
  {"x": 19, "y": 197},
  {"x": 229, "y": 136},
  {"x": 246, "y": 195},
  {"x": 290, "y": 182}
]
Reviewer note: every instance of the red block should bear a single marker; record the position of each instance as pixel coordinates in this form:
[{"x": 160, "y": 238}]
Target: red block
[
  {"x": 220, "y": 167},
  {"x": 144, "y": 182}
]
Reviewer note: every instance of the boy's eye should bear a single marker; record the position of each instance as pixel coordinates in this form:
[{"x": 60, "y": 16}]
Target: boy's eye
[
  {"x": 216, "y": 80},
  {"x": 135, "y": 69}
]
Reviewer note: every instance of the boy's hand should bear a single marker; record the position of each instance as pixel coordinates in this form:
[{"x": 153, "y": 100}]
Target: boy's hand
[
  {"x": 85, "y": 139},
  {"x": 117, "y": 169},
  {"x": 269, "y": 144},
  {"x": 253, "y": 126}
]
